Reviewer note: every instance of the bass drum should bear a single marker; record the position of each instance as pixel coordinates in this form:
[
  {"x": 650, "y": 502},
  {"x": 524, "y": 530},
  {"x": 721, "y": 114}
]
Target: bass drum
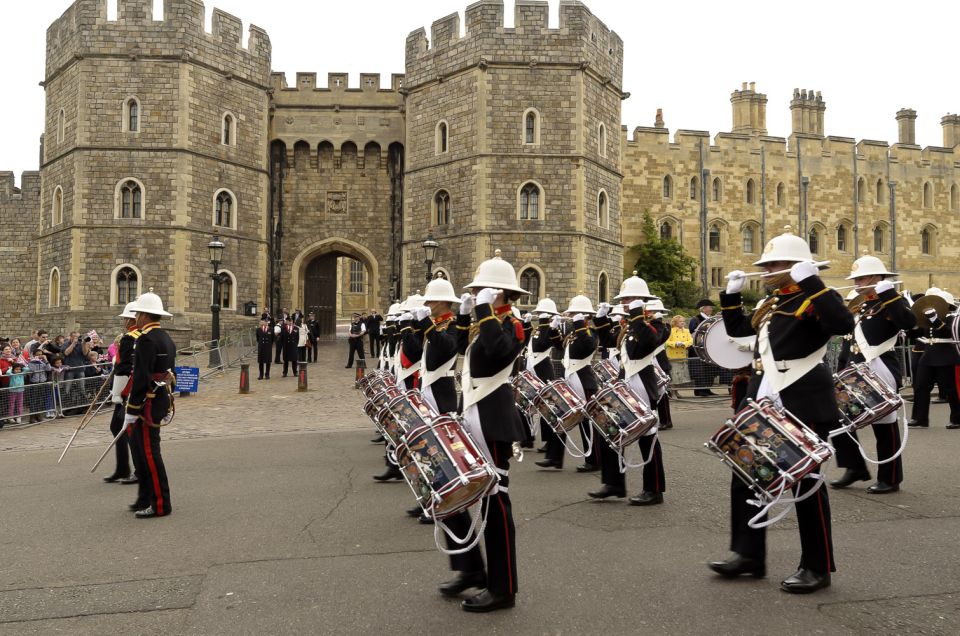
[{"x": 713, "y": 345}]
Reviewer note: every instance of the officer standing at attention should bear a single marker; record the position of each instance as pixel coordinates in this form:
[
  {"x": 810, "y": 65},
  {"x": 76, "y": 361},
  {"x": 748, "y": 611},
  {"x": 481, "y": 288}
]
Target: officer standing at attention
[
  {"x": 265, "y": 337},
  {"x": 793, "y": 328},
  {"x": 151, "y": 401},
  {"x": 122, "y": 367}
]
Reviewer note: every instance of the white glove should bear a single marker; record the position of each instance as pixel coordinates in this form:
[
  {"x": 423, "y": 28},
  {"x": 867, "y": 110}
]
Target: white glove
[
  {"x": 515, "y": 312},
  {"x": 555, "y": 323},
  {"x": 487, "y": 295},
  {"x": 803, "y": 270},
  {"x": 405, "y": 316},
  {"x": 421, "y": 312},
  {"x": 603, "y": 309},
  {"x": 129, "y": 419},
  {"x": 636, "y": 304},
  {"x": 276, "y": 330},
  {"x": 116, "y": 398},
  {"x": 931, "y": 315},
  {"x": 735, "y": 281},
  {"x": 527, "y": 317},
  {"x": 883, "y": 286},
  {"x": 467, "y": 302},
  {"x": 577, "y": 317}
]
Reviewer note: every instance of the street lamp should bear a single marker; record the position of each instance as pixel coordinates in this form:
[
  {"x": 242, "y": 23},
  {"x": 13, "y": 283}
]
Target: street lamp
[
  {"x": 429, "y": 254},
  {"x": 216, "y": 248}
]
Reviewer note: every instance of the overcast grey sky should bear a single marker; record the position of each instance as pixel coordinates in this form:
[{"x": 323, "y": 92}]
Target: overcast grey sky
[{"x": 686, "y": 56}]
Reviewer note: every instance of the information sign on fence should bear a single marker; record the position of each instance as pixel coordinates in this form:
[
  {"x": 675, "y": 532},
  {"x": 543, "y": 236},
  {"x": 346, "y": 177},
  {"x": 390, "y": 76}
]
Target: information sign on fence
[{"x": 188, "y": 379}]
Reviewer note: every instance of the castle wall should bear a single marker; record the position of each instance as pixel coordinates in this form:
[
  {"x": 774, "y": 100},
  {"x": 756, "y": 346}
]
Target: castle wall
[{"x": 18, "y": 254}]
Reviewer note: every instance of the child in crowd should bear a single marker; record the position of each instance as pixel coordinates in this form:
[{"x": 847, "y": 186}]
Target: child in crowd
[
  {"x": 39, "y": 393},
  {"x": 57, "y": 371},
  {"x": 16, "y": 378}
]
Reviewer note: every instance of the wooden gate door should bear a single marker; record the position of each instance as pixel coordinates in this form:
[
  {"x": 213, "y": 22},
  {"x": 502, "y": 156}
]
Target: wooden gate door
[{"x": 320, "y": 293}]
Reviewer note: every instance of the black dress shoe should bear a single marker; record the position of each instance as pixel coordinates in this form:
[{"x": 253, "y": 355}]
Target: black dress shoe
[
  {"x": 953, "y": 425},
  {"x": 916, "y": 424},
  {"x": 542, "y": 449},
  {"x": 850, "y": 476},
  {"x": 606, "y": 490},
  {"x": 416, "y": 511},
  {"x": 882, "y": 488},
  {"x": 347, "y": 366},
  {"x": 805, "y": 581},
  {"x": 137, "y": 505},
  {"x": 146, "y": 513},
  {"x": 424, "y": 519},
  {"x": 391, "y": 473},
  {"x": 378, "y": 440},
  {"x": 487, "y": 601},
  {"x": 463, "y": 581},
  {"x": 647, "y": 498},
  {"x": 132, "y": 479},
  {"x": 665, "y": 427},
  {"x": 549, "y": 463},
  {"x": 587, "y": 468},
  {"x": 739, "y": 565},
  {"x": 113, "y": 478}
]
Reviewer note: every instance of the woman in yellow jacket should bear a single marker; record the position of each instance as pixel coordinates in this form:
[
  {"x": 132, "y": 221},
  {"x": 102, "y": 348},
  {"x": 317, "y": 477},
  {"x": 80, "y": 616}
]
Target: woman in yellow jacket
[{"x": 680, "y": 340}]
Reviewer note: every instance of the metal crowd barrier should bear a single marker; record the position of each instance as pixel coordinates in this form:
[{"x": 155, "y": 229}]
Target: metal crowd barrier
[
  {"x": 62, "y": 396},
  {"x": 215, "y": 356}
]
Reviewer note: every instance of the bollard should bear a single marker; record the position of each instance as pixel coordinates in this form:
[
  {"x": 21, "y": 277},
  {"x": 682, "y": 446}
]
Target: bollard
[
  {"x": 361, "y": 369},
  {"x": 244, "y": 378},
  {"x": 301, "y": 376}
]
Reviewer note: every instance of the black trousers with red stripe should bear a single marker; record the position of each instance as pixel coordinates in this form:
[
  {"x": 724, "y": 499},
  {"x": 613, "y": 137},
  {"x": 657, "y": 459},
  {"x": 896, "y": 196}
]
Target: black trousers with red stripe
[
  {"x": 154, "y": 489},
  {"x": 654, "y": 479},
  {"x": 122, "y": 447},
  {"x": 554, "y": 442},
  {"x": 813, "y": 521},
  {"x": 499, "y": 536},
  {"x": 888, "y": 443},
  {"x": 925, "y": 377}
]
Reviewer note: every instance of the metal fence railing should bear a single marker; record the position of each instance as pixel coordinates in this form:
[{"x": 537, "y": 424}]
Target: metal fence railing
[{"x": 214, "y": 356}]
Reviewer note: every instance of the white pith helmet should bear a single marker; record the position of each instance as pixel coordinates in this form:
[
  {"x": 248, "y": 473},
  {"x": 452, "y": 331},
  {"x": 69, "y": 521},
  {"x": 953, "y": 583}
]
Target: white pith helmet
[
  {"x": 787, "y": 247},
  {"x": 127, "y": 311},
  {"x": 546, "y": 306},
  {"x": 412, "y": 302},
  {"x": 868, "y": 266},
  {"x": 394, "y": 311},
  {"x": 148, "y": 303},
  {"x": 440, "y": 289},
  {"x": 495, "y": 273},
  {"x": 942, "y": 293},
  {"x": 656, "y": 305},
  {"x": 634, "y": 287},
  {"x": 580, "y": 305},
  {"x": 619, "y": 310}
]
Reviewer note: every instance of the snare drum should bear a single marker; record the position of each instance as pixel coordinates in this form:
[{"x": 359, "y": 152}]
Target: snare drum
[
  {"x": 713, "y": 345},
  {"x": 559, "y": 406},
  {"x": 377, "y": 382},
  {"x": 606, "y": 370},
  {"x": 404, "y": 412},
  {"x": 862, "y": 396},
  {"x": 663, "y": 379},
  {"x": 379, "y": 401},
  {"x": 526, "y": 385},
  {"x": 619, "y": 415},
  {"x": 443, "y": 467},
  {"x": 768, "y": 448}
]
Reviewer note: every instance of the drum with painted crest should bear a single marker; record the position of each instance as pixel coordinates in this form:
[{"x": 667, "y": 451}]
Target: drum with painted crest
[
  {"x": 712, "y": 344},
  {"x": 376, "y": 382},
  {"x": 606, "y": 370},
  {"x": 768, "y": 448},
  {"x": 863, "y": 397},
  {"x": 619, "y": 415},
  {"x": 526, "y": 385},
  {"x": 443, "y": 467},
  {"x": 403, "y": 413},
  {"x": 560, "y": 406},
  {"x": 380, "y": 400}
]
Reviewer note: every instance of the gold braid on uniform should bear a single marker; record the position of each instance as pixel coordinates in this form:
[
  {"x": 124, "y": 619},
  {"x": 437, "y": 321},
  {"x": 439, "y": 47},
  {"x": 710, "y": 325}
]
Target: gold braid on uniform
[{"x": 771, "y": 308}]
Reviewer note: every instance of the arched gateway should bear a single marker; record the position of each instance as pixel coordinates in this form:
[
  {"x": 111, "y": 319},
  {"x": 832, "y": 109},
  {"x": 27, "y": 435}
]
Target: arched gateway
[{"x": 319, "y": 286}]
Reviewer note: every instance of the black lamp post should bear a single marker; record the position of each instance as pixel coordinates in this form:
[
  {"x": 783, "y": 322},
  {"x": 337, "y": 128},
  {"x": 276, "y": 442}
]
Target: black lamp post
[
  {"x": 429, "y": 254},
  {"x": 216, "y": 248}
]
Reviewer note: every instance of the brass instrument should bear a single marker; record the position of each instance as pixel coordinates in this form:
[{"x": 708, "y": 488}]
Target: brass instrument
[{"x": 930, "y": 301}]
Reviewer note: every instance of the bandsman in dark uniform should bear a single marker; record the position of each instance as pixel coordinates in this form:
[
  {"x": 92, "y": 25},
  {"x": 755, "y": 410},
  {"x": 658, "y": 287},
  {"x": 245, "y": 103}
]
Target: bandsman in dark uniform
[
  {"x": 151, "y": 401},
  {"x": 793, "y": 327},
  {"x": 410, "y": 349},
  {"x": 490, "y": 414},
  {"x": 580, "y": 343},
  {"x": 388, "y": 348},
  {"x": 265, "y": 336},
  {"x": 281, "y": 320},
  {"x": 542, "y": 343},
  {"x": 938, "y": 363},
  {"x": 122, "y": 369},
  {"x": 655, "y": 314},
  {"x": 880, "y": 314}
]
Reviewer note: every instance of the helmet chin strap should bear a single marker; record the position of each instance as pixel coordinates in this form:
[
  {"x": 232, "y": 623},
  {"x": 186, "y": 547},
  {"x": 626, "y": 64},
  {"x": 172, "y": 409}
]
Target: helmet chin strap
[{"x": 774, "y": 283}]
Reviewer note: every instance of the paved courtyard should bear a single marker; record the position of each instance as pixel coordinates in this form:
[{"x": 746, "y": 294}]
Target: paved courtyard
[{"x": 278, "y": 528}]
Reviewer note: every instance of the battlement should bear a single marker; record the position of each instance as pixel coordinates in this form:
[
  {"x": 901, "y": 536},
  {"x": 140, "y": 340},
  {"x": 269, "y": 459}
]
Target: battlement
[
  {"x": 580, "y": 38},
  {"x": 29, "y": 190},
  {"x": 84, "y": 29},
  {"x": 336, "y": 83}
]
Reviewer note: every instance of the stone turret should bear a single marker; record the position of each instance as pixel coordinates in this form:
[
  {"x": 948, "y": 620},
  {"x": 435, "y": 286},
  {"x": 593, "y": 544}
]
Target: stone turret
[
  {"x": 749, "y": 111},
  {"x": 807, "y": 109},
  {"x": 907, "y": 126},
  {"x": 951, "y": 130}
]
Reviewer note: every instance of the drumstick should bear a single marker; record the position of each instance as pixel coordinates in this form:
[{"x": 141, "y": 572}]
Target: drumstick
[
  {"x": 782, "y": 271},
  {"x": 845, "y": 287}
]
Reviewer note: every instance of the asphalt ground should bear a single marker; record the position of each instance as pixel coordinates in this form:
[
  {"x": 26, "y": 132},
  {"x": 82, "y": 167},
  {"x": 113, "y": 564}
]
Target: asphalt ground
[{"x": 278, "y": 528}]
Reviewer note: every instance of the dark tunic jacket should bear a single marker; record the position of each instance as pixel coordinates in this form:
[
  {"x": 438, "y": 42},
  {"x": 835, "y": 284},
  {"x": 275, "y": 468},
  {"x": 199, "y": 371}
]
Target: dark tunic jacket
[
  {"x": 154, "y": 353},
  {"x": 411, "y": 343},
  {"x": 797, "y": 329},
  {"x": 584, "y": 345},
  {"x": 441, "y": 336},
  {"x": 641, "y": 340},
  {"x": 940, "y": 354},
  {"x": 881, "y": 317},
  {"x": 545, "y": 339},
  {"x": 264, "y": 345}
]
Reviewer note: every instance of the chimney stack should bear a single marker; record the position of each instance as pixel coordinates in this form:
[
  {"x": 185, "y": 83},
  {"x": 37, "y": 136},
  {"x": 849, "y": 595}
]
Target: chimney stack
[
  {"x": 951, "y": 130},
  {"x": 907, "y": 126},
  {"x": 807, "y": 109},
  {"x": 749, "y": 110},
  {"x": 658, "y": 122}
]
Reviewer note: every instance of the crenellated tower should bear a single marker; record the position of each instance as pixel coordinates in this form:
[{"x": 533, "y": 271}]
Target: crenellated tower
[
  {"x": 155, "y": 140},
  {"x": 513, "y": 144}
]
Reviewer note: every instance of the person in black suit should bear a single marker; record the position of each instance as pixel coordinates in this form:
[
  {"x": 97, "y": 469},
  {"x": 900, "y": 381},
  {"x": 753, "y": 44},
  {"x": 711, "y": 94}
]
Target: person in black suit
[
  {"x": 313, "y": 333},
  {"x": 702, "y": 373},
  {"x": 280, "y": 320},
  {"x": 490, "y": 414},
  {"x": 373, "y": 323},
  {"x": 793, "y": 327},
  {"x": 881, "y": 315},
  {"x": 287, "y": 341},
  {"x": 265, "y": 336}
]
